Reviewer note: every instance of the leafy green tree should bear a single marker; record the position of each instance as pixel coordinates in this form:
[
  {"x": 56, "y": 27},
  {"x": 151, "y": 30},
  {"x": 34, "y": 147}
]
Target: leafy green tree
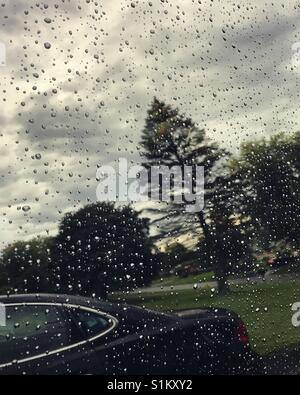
[
  {"x": 25, "y": 265},
  {"x": 102, "y": 248},
  {"x": 171, "y": 139},
  {"x": 270, "y": 170}
]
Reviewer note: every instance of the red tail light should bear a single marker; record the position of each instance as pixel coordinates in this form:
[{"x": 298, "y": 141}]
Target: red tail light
[{"x": 242, "y": 334}]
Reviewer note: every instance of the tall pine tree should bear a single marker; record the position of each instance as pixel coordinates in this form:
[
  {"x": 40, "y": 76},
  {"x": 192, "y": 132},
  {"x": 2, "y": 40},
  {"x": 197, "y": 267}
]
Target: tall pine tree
[{"x": 171, "y": 139}]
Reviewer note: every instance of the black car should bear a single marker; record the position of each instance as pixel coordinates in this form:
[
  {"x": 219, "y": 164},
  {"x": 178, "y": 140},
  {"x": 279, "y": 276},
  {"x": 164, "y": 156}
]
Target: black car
[{"x": 60, "y": 334}]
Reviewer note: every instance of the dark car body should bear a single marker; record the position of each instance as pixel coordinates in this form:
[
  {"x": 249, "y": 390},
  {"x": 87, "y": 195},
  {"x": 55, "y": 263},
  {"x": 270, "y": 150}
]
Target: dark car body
[
  {"x": 60, "y": 334},
  {"x": 187, "y": 270}
]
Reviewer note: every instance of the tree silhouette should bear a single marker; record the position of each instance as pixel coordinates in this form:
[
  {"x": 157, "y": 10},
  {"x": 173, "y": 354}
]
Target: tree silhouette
[
  {"x": 171, "y": 139},
  {"x": 102, "y": 248},
  {"x": 26, "y": 264},
  {"x": 270, "y": 170}
]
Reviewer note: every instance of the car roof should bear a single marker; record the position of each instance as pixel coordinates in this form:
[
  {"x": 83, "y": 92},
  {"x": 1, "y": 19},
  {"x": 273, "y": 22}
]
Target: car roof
[
  {"x": 115, "y": 308},
  {"x": 59, "y": 299}
]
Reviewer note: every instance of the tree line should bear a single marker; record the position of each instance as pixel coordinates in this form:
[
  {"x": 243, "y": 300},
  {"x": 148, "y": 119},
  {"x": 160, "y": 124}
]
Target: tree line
[
  {"x": 100, "y": 248},
  {"x": 252, "y": 199},
  {"x": 252, "y": 202}
]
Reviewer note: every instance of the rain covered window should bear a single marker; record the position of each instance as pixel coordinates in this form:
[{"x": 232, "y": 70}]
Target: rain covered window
[{"x": 150, "y": 158}]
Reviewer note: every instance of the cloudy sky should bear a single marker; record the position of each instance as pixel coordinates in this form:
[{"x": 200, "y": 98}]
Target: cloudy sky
[{"x": 80, "y": 75}]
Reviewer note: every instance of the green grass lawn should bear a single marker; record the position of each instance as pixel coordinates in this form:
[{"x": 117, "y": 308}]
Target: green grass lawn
[
  {"x": 176, "y": 280},
  {"x": 194, "y": 278},
  {"x": 265, "y": 308}
]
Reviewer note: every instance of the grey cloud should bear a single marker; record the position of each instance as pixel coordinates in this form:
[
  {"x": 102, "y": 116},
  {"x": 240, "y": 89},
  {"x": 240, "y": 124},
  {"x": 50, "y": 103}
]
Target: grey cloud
[{"x": 237, "y": 89}]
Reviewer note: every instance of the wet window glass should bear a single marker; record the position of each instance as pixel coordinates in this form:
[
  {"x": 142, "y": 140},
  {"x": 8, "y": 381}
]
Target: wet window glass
[
  {"x": 31, "y": 331},
  {"x": 150, "y": 171}
]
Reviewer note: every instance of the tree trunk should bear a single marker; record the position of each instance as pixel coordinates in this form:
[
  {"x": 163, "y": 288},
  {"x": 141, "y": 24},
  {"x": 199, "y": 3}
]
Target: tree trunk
[
  {"x": 220, "y": 274},
  {"x": 99, "y": 286},
  {"x": 103, "y": 294},
  {"x": 219, "y": 267},
  {"x": 204, "y": 227}
]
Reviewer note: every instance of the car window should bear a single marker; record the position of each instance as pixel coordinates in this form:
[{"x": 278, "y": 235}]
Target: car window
[
  {"x": 32, "y": 330},
  {"x": 90, "y": 323}
]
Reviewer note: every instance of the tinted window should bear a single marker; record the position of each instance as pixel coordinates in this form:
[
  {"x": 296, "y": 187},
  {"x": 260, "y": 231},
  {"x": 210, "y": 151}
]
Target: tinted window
[
  {"x": 32, "y": 330},
  {"x": 91, "y": 324}
]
